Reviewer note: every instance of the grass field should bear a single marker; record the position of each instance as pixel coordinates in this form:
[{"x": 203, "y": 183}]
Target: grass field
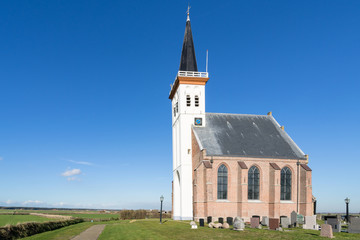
[
  {"x": 14, "y": 219},
  {"x": 151, "y": 229}
]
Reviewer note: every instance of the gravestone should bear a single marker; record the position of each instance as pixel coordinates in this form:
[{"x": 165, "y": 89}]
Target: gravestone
[
  {"x": 293, "y": 218},
  {"x": 334, "y": 223},
  {"x": 254, "y": 222},
  {"x": 209, "y": 220},
  {"x": 273, "y": 223},
  {"x": 229, "y": 220},
  {"x": 300, "y": 219},
  {"x": 193, "y": 225},
  {"x": 285, "y": 222},
  {"x": 239, "y": 224},
  {"x": 310, "y": 223},
  {"x": 201, "y": 221},
  {"x": 221, "y": 220},
  {"x": 211, "y": 225},
  {"x": 218, "y": 225},
  {"x": 326, "y": 231},
  {"x": 225, "y": 225},
  {"x": 354, "y": 226},
  {"x": 265, "y": 221}
]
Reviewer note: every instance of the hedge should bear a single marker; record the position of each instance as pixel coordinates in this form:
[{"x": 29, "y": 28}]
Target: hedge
[{"x": 22, "y": 230}]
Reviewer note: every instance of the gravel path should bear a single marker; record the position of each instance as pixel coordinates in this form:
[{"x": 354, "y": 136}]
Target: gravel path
[{"x": 92, "y": 233}]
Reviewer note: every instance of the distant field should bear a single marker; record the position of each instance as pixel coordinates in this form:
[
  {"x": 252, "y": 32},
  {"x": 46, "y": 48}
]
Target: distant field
[
  {"x": 93, "y": 216},
  {"x": 14, "y": 219}
]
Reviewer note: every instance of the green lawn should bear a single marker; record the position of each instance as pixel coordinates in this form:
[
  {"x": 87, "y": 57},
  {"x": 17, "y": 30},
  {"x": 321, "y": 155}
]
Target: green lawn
[
  {"x": 14, "y": 219},
  {"x": 151, "y": 229}
]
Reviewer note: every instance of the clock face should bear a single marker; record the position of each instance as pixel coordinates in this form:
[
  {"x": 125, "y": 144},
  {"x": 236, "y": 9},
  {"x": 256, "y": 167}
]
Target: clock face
[{"x": 198, "y": 121}]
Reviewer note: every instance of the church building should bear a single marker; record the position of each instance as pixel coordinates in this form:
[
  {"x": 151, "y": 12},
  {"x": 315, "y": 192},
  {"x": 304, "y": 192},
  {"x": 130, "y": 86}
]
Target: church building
[{"x": 228, "y": 165}]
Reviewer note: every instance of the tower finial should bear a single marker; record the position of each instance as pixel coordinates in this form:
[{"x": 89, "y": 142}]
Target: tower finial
[{"x": 188, "y": 13}]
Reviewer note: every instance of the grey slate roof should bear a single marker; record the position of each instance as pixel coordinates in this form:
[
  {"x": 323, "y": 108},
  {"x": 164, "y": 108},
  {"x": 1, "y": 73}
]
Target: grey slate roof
[
  {"x": 188, "y": 59},
  {"x": 245, "y": 135}
]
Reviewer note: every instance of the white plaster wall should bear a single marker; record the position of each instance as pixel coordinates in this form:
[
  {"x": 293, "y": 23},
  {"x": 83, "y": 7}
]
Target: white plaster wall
[{"x": 182, "y": 162}]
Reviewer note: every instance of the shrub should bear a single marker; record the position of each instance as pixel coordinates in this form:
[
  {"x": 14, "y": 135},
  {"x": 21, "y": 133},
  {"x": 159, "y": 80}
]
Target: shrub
[{"x": 21, "y": 230}]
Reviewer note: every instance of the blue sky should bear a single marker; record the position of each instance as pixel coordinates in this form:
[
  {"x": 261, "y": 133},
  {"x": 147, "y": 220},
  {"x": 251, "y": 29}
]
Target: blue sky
[{"x": 85, "y": 119}]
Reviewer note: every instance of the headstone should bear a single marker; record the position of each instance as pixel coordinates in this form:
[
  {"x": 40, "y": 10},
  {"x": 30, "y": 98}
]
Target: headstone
[
  {"x": 209, "y": 220},
  {"x": 265, "y": 221},
  {"x": 239, "y": 224},
  {"x": 310, "y": 223},
  {"x": 326, "y": 231},
  {"x": 254, "y": 222},
  {"x": 229, "y": 220},
  {"x": 354, "y": 226},
  {"x": 285, "y": 222},
  {"x": 194, "y": 226},
  {"x": 192, "y": 223},
  {"x": 221, "y": 220},
  {"x": 273, "y": 223},
  {"x": 300, "y": 219},
  {"x": 225, "y": 225},
  {"x": 334, "y": 223},
  {"x": 293, "y": 218},
  {"x": 279, "y": 229},
  {"x": 218, "y": 225},
  {"x": 201, "y": 221},
  {"x": 211, "y": 225}
]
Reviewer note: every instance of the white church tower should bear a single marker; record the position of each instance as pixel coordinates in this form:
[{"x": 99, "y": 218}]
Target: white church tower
[{"x": 188, "y": 108}]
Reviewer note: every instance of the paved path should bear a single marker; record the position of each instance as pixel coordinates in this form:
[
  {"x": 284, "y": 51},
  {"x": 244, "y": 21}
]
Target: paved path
[{"x": 92, "y": 233}]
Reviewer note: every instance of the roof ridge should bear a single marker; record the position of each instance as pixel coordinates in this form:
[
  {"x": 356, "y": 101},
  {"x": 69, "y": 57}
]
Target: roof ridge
[{"x": 242, "y": 114}]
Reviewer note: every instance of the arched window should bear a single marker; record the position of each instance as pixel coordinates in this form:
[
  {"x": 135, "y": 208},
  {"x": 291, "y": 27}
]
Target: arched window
[
  {"x": 285, "y": 184},
  {"x": 253, "y": 183},
  {"x": 222, "y": 182}
]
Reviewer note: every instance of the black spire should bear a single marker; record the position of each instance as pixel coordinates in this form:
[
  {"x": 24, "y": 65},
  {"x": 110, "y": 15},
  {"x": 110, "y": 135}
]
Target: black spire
[{"x": 188, "y": 59}]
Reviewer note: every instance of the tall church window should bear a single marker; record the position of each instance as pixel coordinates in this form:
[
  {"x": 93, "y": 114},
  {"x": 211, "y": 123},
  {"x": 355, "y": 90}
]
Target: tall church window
[
  {"x": 253, "y": 183},
  {"x": 196, "y": 101},
  {"x": 285, "y": 184},
  {"x": 188, "y": 100},
  {"x": 222, "y": 182}
]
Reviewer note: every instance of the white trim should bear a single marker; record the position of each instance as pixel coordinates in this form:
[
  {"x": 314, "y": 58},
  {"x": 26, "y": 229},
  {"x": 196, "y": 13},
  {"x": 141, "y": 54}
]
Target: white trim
[
  {"x": 286, "y": 201},
  {"x": 254, "y": 201}
]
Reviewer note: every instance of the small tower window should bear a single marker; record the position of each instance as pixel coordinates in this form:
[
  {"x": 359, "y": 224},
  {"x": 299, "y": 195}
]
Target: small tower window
[
  {"x": 177, "y": 107},
  {"x": 188, "y": 100},
  {"x": 196, "y": 101}
]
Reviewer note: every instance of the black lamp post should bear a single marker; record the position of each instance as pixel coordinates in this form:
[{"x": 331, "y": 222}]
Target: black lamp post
[
  {"x": 347, "y": 201},
  {"x": 161, "y": 201}
]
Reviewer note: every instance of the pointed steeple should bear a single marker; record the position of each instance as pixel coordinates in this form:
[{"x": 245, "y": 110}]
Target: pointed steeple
[{"x": 188, "y": 59}]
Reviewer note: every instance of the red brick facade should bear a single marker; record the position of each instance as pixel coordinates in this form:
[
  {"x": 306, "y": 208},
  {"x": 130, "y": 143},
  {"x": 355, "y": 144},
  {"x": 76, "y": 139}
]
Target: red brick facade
[{"x": 205, "y": 202}]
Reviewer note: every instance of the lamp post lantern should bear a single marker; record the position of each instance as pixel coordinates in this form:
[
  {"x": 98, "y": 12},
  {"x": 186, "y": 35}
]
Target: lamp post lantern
[
  {"x": 347, "y": 201},
  {"x": 161, "y": 201}
]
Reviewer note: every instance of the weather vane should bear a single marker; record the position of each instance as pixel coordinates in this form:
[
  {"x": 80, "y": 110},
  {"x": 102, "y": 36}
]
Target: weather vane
[{"x": 188, "y": 12}]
